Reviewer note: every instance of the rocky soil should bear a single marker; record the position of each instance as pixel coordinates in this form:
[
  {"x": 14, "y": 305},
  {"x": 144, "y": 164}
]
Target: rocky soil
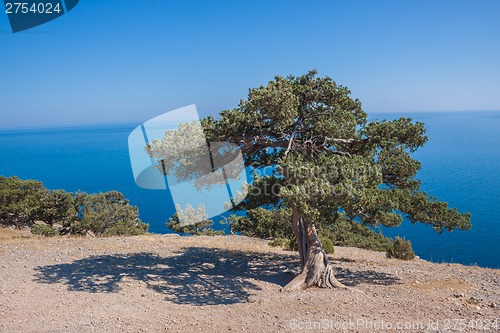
[{"x": 228, "y": 283}]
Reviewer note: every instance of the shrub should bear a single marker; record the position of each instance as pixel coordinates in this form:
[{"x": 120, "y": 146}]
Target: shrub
[
  {"x": 401, "y": 249},
  {"x": 105, "y": 214},
  {"x": 20, "y": 201},
  {"x": 57, "y": 206},
  {"x": 285, "y": 243},
  {"x": 291, "y": 244},
  {"x": 203, "y": 227},
  {"x": 198, "y": 229},
  {"x": 44, "y": 230},
  {"x": 350, "y": 233},
  {"x": 264, "y": 223},
  {"x": 327, "y": 244}
]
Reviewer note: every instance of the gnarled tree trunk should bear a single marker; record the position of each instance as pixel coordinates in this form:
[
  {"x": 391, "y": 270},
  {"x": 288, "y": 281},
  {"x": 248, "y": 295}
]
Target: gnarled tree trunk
[{"x": 316, "y": 270}]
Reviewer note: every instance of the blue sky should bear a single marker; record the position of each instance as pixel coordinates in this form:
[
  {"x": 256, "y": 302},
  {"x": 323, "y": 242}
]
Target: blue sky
[{"x": 111, "y": 61}]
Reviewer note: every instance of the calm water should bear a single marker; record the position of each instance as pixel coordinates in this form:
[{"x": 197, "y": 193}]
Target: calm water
[{"x": 460, "y": 164}]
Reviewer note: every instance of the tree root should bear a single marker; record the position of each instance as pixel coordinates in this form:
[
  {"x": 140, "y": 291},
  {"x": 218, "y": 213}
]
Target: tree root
[{"x": 326, "y": 279}]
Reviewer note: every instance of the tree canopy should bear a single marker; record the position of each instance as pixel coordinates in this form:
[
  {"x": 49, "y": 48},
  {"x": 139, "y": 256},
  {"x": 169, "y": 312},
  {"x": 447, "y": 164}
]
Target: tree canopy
[{"x": 329, "y": 159}]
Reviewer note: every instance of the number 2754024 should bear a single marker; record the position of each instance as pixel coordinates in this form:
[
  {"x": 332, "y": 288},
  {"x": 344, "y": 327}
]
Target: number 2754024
[{"x": 32, "y": 8}]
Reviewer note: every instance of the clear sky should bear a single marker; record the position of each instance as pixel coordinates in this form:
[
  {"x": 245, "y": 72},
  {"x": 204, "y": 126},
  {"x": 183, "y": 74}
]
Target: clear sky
[{"x": 117, "y": 61}]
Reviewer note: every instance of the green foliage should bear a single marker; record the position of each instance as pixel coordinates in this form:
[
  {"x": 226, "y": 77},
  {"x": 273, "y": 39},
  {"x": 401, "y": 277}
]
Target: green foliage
[
  {"x": 44, "y": 230},
  {"x": 57, "y": 207},
  {"x": 204, "y": 228},
  {"x": 264, "y": 223},
  {"x": 275, "y": 224},
  {"x": 105, "y": 214},
  {"x": 344, "y": 232},
  {"x": 182, "y": 221},
  {"x": 22, "y": 202},
  {"x": 327, "y": 244},
  {"x": 401, "y": 249},
  {"x": 285, "y": 243}
]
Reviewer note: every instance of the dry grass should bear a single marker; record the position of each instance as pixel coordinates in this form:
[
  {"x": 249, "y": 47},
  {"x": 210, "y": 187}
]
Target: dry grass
[{"x": 7, "y": 234}]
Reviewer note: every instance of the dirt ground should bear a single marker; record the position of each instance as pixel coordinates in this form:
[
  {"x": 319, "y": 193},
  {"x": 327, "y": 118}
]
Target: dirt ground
[{"x": 228, "y": 283}]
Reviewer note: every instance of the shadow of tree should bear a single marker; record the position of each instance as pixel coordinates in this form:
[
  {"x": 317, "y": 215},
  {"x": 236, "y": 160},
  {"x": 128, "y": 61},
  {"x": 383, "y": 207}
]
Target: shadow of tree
[
  {"x": 194, "y": 275},
  {"x": 353, "y": 278}
]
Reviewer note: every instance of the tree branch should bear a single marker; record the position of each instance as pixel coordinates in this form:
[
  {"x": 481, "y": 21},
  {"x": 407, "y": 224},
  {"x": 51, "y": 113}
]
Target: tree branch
[
  {"x": 290, "y": 143},
  {"x": 345, "y": 141}
]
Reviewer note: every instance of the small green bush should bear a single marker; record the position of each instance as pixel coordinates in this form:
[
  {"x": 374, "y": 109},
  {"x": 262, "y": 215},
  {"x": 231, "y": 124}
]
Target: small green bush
[
  {"x": 105, "y": 214},
  {"x": 202, "y": 228},
  {"x": 286, "y": 243},
  {"x": 264, "y": 223},
  {"x": 350, "y": 233},
  {"x": 401, "y": 249},
  {"x": 327, "y": 244},
  {"x": 44, "y": 230},
  {"x": 291, "y": 244},
  {"x": 279, "y": 242}
]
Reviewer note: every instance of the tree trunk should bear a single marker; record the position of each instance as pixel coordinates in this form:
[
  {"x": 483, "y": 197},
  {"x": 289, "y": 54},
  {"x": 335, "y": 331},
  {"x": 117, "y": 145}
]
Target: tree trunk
[{"x": 316, "y": 270}]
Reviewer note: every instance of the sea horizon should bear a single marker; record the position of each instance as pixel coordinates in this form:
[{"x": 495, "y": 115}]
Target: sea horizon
[{"x": 44, "y": 127}]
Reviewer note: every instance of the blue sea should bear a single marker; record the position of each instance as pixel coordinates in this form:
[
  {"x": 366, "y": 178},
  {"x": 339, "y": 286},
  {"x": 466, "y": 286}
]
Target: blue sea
[{"x": 460, "y": 165}]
